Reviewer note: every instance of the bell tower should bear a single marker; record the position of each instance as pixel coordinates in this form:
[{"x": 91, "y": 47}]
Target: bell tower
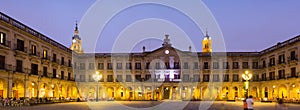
[
  {"x": 76, "y": 41},
  {"x": 207, "y": 43}
]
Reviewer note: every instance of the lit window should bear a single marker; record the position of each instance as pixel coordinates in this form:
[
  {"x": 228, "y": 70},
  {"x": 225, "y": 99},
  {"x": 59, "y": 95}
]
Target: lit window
[
  {"x": 33, "y": 51},
  {"x": 45, "y": 54},
  {"x": 2, "y": 38}
]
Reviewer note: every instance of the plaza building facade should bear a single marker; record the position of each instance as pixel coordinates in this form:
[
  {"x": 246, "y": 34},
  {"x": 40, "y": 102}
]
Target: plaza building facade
[
  {"x": 32, "y": 64},
  {"x": 172, "y": 74}
]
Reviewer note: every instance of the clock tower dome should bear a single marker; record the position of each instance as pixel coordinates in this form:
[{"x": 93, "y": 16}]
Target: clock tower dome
[{"x": 76, "y": 41}]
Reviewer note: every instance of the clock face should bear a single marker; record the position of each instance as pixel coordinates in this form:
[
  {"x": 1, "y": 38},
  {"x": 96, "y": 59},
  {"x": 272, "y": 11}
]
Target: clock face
[
  {"x": 73, "y": 40},
  {"x": 167, "y": 51}
]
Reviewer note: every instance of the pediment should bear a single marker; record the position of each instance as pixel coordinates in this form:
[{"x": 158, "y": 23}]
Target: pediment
[{"x": 166, "y": 51}]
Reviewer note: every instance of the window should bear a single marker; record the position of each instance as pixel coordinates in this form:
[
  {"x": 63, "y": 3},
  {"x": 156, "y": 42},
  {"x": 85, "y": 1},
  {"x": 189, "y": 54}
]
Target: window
[
  {"x": 20, "y": 45},
  {"x": 62, "y": 60},
  {"x": 33, "y": 50},
  {"x": 264, "y": 76},
  {"x": 293, "y": 55},
  {"x": 196, "y": 65},
  {"x": 176, "y": 65},
  {"x": 206, "y": 65},
  {"x": 176, "y": 76},
  {"x": 281, "y": 59},
  {"x": 216, "y": 65},
  {"x": 69, "y": 76},
  {"x": 54, "y": 58},
  {"x": 225, "y": 65},
  {"x": 226, "y": 78},
  {"x": 245, "y": 65},
  {"x": 34, "y": 69},
  {"x": 148, "y": 77},
  {"x": 281, "y": 74},
  {"x": 119, "y": 65},
  {"x": 264, "y": 64},
  {"x": 100, "y": 66},
  {"x": 196, "y": 78},
  {"x": 2, "y": 62},
  {"x": 272, "y": 75},
  {"x": 69, "y": 63},
  {"x": 206, "y": 78},
  {"x": 216, "y": 78},
  {"x": 255, "y": 65},
  {"x": 157, "y": 65},
  {"x": 272, "y": 62},
  {"x": 128, "y": 66},
  {"x": 82, "y": 78},
  {"x": 110, "y": 78},
  {"x": 148, "y": 66},
  {"x": 91, "y": 79},
  {"x": 138, "y": 66},
  {"x": 256, "y": 77},
  {"x": 235, "y": 65},
  {"x": 109, "y": 66},
  {"x": 167, "y": 64},
  {"x": 54, "y": 73},
  {"x": 185, "y": 65},
  {"x": 45, "y": 71},
  {"x": 235, "y": 77},
  {"x": 293, "y": 72},
  {"x": 82, "y": 66},
  {"x": 128, "y": 78},
  {"x": 2, "y": 38},
  {"x": 19, "y": 67},
  {"x": 91, "y": 66},
  {"x": 138, "y": 78},
  {"x": 185, "y": 78},
  {"x": 119, "y": 78},
  {"x": 45, "y": 53},
  {"x": 62, "y": 75}
]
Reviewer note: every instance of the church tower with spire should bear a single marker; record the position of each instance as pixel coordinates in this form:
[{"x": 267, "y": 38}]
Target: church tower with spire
[
  {"x": 207, "y": 43},
  {"x": 76, "y": 41}
]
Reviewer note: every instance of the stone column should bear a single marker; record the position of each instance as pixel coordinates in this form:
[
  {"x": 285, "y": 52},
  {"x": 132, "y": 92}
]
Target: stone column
[
  {"x": 114, "y": 92},
  {"x": 9, "y": 90},
  {"x": 162, "y": 92},
  {"x": 288, "y": 91},
  {"x": 26, "y": 92},
  {"x": 152, "y": 90},
  {"x": 201, "y": 90}
]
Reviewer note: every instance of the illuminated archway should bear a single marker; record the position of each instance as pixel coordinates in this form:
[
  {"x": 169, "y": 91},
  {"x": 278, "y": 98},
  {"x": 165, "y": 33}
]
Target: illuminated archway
[
  {"x": 282, "y": 93},
  {"x": 18, "y": 89},
  {"x": 2, "y": 87},
  {"x": 225, "y": 93},
  {"x": 44, "y": 89}
]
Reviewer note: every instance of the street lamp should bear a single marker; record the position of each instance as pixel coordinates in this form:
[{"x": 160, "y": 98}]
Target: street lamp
[
  {"x": 246, "y": 76},
  {"x": 97, "y": 78}
]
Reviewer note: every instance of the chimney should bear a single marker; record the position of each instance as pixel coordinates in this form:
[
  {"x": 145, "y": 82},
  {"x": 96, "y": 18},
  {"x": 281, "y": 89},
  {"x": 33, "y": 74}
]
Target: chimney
[{"x": 190, "y": 48}]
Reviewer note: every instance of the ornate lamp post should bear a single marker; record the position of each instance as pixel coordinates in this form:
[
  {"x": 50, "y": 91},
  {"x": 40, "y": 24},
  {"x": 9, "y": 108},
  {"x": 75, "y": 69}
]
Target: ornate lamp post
[
  {"x": 97, "y": 78},
  {"x": 246, "y": 76}
]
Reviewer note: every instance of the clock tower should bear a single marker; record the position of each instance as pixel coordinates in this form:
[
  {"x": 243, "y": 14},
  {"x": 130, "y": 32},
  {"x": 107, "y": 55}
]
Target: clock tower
[
  {"x": 76, "y": 41},
  {"x": 207, "y": 43}
]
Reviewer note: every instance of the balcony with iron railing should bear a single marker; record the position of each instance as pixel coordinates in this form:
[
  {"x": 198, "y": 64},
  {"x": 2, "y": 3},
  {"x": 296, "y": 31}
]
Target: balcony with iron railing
[
  {"x": 36, "y": 54},
  {"x": 292, "y": 58},
  {"x": 20, "y": 49},
  {"x": 6, "y": 67}
]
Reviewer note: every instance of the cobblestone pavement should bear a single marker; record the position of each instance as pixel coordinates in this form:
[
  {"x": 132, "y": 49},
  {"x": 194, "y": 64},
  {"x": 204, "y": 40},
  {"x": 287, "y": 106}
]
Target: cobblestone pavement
[{"x": 148, "y": 105}]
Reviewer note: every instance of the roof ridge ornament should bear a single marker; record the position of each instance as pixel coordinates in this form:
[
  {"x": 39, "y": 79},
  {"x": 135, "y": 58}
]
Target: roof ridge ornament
[{"x": 167, "y": 41}]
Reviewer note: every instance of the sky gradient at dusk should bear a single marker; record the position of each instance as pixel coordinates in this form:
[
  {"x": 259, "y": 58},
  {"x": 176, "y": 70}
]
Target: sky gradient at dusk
[{"x": 248, "y": 25}]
